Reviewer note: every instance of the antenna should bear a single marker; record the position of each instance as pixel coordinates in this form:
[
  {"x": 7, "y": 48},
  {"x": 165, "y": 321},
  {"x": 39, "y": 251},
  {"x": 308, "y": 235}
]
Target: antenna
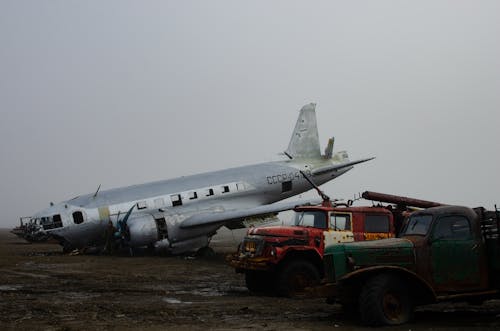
[
  {"x": 95, "y": 194},
  {"x": 326, "y": 198}
]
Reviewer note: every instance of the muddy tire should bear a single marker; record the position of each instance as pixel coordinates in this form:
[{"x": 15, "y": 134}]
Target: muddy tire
[
  {"x": 258, "y": 281},
  {"x": 295, "y": 277},
  {"x": 385, "y": 300}
]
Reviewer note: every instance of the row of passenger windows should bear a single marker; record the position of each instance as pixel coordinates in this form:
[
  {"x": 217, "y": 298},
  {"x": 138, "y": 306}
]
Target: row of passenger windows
[
  {"x": 179, "y": 198},
  {"x": 176, "y": 199}
]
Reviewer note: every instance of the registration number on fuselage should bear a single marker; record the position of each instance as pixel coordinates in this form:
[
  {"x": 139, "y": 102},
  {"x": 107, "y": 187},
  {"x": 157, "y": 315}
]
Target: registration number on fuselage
[{"x": 281, "y": 178}]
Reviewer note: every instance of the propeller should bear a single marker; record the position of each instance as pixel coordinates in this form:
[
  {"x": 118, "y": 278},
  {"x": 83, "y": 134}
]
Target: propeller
[{"x": 122, "y": 231}]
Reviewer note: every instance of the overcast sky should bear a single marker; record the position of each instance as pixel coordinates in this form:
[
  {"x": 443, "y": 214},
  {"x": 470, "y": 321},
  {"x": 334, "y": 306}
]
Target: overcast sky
[{"x": 125, "y": 92}]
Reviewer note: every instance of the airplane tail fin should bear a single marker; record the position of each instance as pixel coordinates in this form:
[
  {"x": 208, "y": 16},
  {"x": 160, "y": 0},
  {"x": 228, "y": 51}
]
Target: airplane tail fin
[{"x": 305, "y": 141}]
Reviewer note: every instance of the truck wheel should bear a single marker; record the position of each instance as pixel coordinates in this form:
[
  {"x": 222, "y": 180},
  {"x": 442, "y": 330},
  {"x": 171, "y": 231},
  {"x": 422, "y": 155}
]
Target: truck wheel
[
  {"x": 258, "y": 281},
  {"x": 296, "y": 276},
  {"x": 384, "y": 299}
]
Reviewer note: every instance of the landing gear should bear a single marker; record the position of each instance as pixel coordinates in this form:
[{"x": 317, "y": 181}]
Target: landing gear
[
  {"x": 205, "y": 252},
  {"x": 67, "y": 247}
]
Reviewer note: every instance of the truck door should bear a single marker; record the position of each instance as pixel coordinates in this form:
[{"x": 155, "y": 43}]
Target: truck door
[
  {"x": 340, "y": 229},
  {"x": 455, "y": 255}
]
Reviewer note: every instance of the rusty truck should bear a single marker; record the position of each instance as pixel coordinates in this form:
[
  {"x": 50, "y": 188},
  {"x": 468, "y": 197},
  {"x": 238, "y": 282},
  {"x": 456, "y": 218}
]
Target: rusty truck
[
  {"x": 442, "y": 253},
  {"x": 287, "y": 259}
]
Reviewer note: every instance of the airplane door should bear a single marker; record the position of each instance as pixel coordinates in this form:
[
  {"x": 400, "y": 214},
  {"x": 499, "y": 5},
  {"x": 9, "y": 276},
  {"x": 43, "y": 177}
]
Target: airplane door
[{"x": 455, "y": 255}]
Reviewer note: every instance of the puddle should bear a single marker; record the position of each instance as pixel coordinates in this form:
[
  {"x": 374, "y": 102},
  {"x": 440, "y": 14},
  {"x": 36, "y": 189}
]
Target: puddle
[
  {"x": 175, "y": 301},
  {"x": 80, "y": 295},
  {"x": 207, "y": 292},
  {"x": 10, "y": 287}
]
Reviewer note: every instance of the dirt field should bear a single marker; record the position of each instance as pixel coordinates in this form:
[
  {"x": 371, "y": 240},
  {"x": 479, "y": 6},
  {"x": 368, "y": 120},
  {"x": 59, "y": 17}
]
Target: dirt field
[{"x": 42, "y": 289}]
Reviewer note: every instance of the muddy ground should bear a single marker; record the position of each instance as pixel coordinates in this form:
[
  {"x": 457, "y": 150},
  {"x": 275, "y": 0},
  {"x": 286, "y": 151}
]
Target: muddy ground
[{"x": 42, "y": 289}]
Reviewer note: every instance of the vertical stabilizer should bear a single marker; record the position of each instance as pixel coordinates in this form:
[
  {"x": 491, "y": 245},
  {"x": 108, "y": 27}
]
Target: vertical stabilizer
[{"x": 305, "y": 141}]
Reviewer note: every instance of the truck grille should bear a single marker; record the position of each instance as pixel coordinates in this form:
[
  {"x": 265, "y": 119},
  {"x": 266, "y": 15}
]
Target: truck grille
[{"x": 252, "y": 246}]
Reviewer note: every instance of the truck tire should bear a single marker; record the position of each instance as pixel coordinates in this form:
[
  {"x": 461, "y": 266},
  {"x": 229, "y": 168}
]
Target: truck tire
[
  {"x": 258, "y": 281},
  {"x": 385, "y": 300},
  {"x": 295, "y": 277}
]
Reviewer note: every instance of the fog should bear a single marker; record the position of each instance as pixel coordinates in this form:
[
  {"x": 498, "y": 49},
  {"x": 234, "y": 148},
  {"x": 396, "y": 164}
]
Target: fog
[{"x": 124, "y": 92}]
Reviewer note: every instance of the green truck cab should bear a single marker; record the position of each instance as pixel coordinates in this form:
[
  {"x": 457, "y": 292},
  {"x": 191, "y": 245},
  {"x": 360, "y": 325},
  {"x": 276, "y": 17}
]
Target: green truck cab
[{"x": 442, "y": 253}]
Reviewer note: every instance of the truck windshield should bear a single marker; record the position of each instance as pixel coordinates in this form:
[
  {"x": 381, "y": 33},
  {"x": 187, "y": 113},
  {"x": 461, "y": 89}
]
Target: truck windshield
[
  {"x": 315, "y": 219},
  {"x": 417, "y": 225}
]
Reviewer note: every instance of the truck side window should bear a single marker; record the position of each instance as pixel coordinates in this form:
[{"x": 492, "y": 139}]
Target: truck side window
[
  {"x": 377, "y": 223},
  {"x": 340, "y": 221},
  {"x": 452, "y": 227}
]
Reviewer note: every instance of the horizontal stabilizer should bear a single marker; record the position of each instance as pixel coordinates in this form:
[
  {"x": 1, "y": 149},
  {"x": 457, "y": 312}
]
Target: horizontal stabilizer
[
  {"x": 339, "y": 166},
  {"x": 240, "y": 214}
]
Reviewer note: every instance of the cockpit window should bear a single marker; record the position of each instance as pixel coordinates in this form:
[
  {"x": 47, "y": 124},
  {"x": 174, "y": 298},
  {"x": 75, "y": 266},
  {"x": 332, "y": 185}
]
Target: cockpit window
[
  {"x": 51, "y": 222},
  {"x": 417, "y": 225},
  {"x": 78, "y": 217},
  {"x": 315, "y": 219},
  {"x": 57, "y": 221}
]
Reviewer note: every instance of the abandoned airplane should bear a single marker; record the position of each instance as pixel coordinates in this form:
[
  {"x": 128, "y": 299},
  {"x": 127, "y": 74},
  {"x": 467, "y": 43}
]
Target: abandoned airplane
[{"x": 182, "y": 214}]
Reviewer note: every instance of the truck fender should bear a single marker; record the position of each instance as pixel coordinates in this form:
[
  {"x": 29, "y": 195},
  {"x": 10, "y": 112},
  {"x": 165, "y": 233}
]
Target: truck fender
[
  {"x": 419, "y": 287},
  {"x": 310, "y": 255}
]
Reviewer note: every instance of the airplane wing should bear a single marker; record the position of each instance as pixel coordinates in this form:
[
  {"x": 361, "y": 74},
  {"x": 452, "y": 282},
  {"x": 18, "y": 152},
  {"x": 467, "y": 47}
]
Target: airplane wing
[
  {"x": 240, "y": 214},
  {"x": 339, "y": 166}
]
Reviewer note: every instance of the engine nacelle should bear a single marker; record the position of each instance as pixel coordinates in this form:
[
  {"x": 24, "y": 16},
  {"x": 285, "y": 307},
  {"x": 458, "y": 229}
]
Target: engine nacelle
[{"x": 143, "y": 230}]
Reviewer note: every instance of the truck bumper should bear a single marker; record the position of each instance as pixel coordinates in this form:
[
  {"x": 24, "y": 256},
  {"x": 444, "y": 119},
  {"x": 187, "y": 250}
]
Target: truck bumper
[{"x": 241, "y": 263}]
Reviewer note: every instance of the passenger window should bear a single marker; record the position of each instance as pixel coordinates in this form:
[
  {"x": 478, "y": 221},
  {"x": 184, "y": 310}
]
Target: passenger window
[
  {"x": 452, "y": 227},
  {"x": 225, "y": 189},
  {"x": 78, "y": 217},
  {"x": 193, "y": 195},
  {"x": 286, "y": 186},
  {"x": 210, "y": 192},
  {"x": 377, "y": 223},
  {"x": 176, "y": 200},
  {"x": 340, "y": 221},
  {"x": 141, "y": 205}
]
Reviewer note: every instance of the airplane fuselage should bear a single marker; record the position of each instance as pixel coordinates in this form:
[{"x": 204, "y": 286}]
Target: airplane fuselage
[{"x": 82, "y": 221}]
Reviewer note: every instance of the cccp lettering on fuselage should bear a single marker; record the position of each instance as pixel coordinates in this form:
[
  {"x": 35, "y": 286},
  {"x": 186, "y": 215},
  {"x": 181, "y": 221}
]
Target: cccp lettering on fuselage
[{"x": 281, "y": 178}]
